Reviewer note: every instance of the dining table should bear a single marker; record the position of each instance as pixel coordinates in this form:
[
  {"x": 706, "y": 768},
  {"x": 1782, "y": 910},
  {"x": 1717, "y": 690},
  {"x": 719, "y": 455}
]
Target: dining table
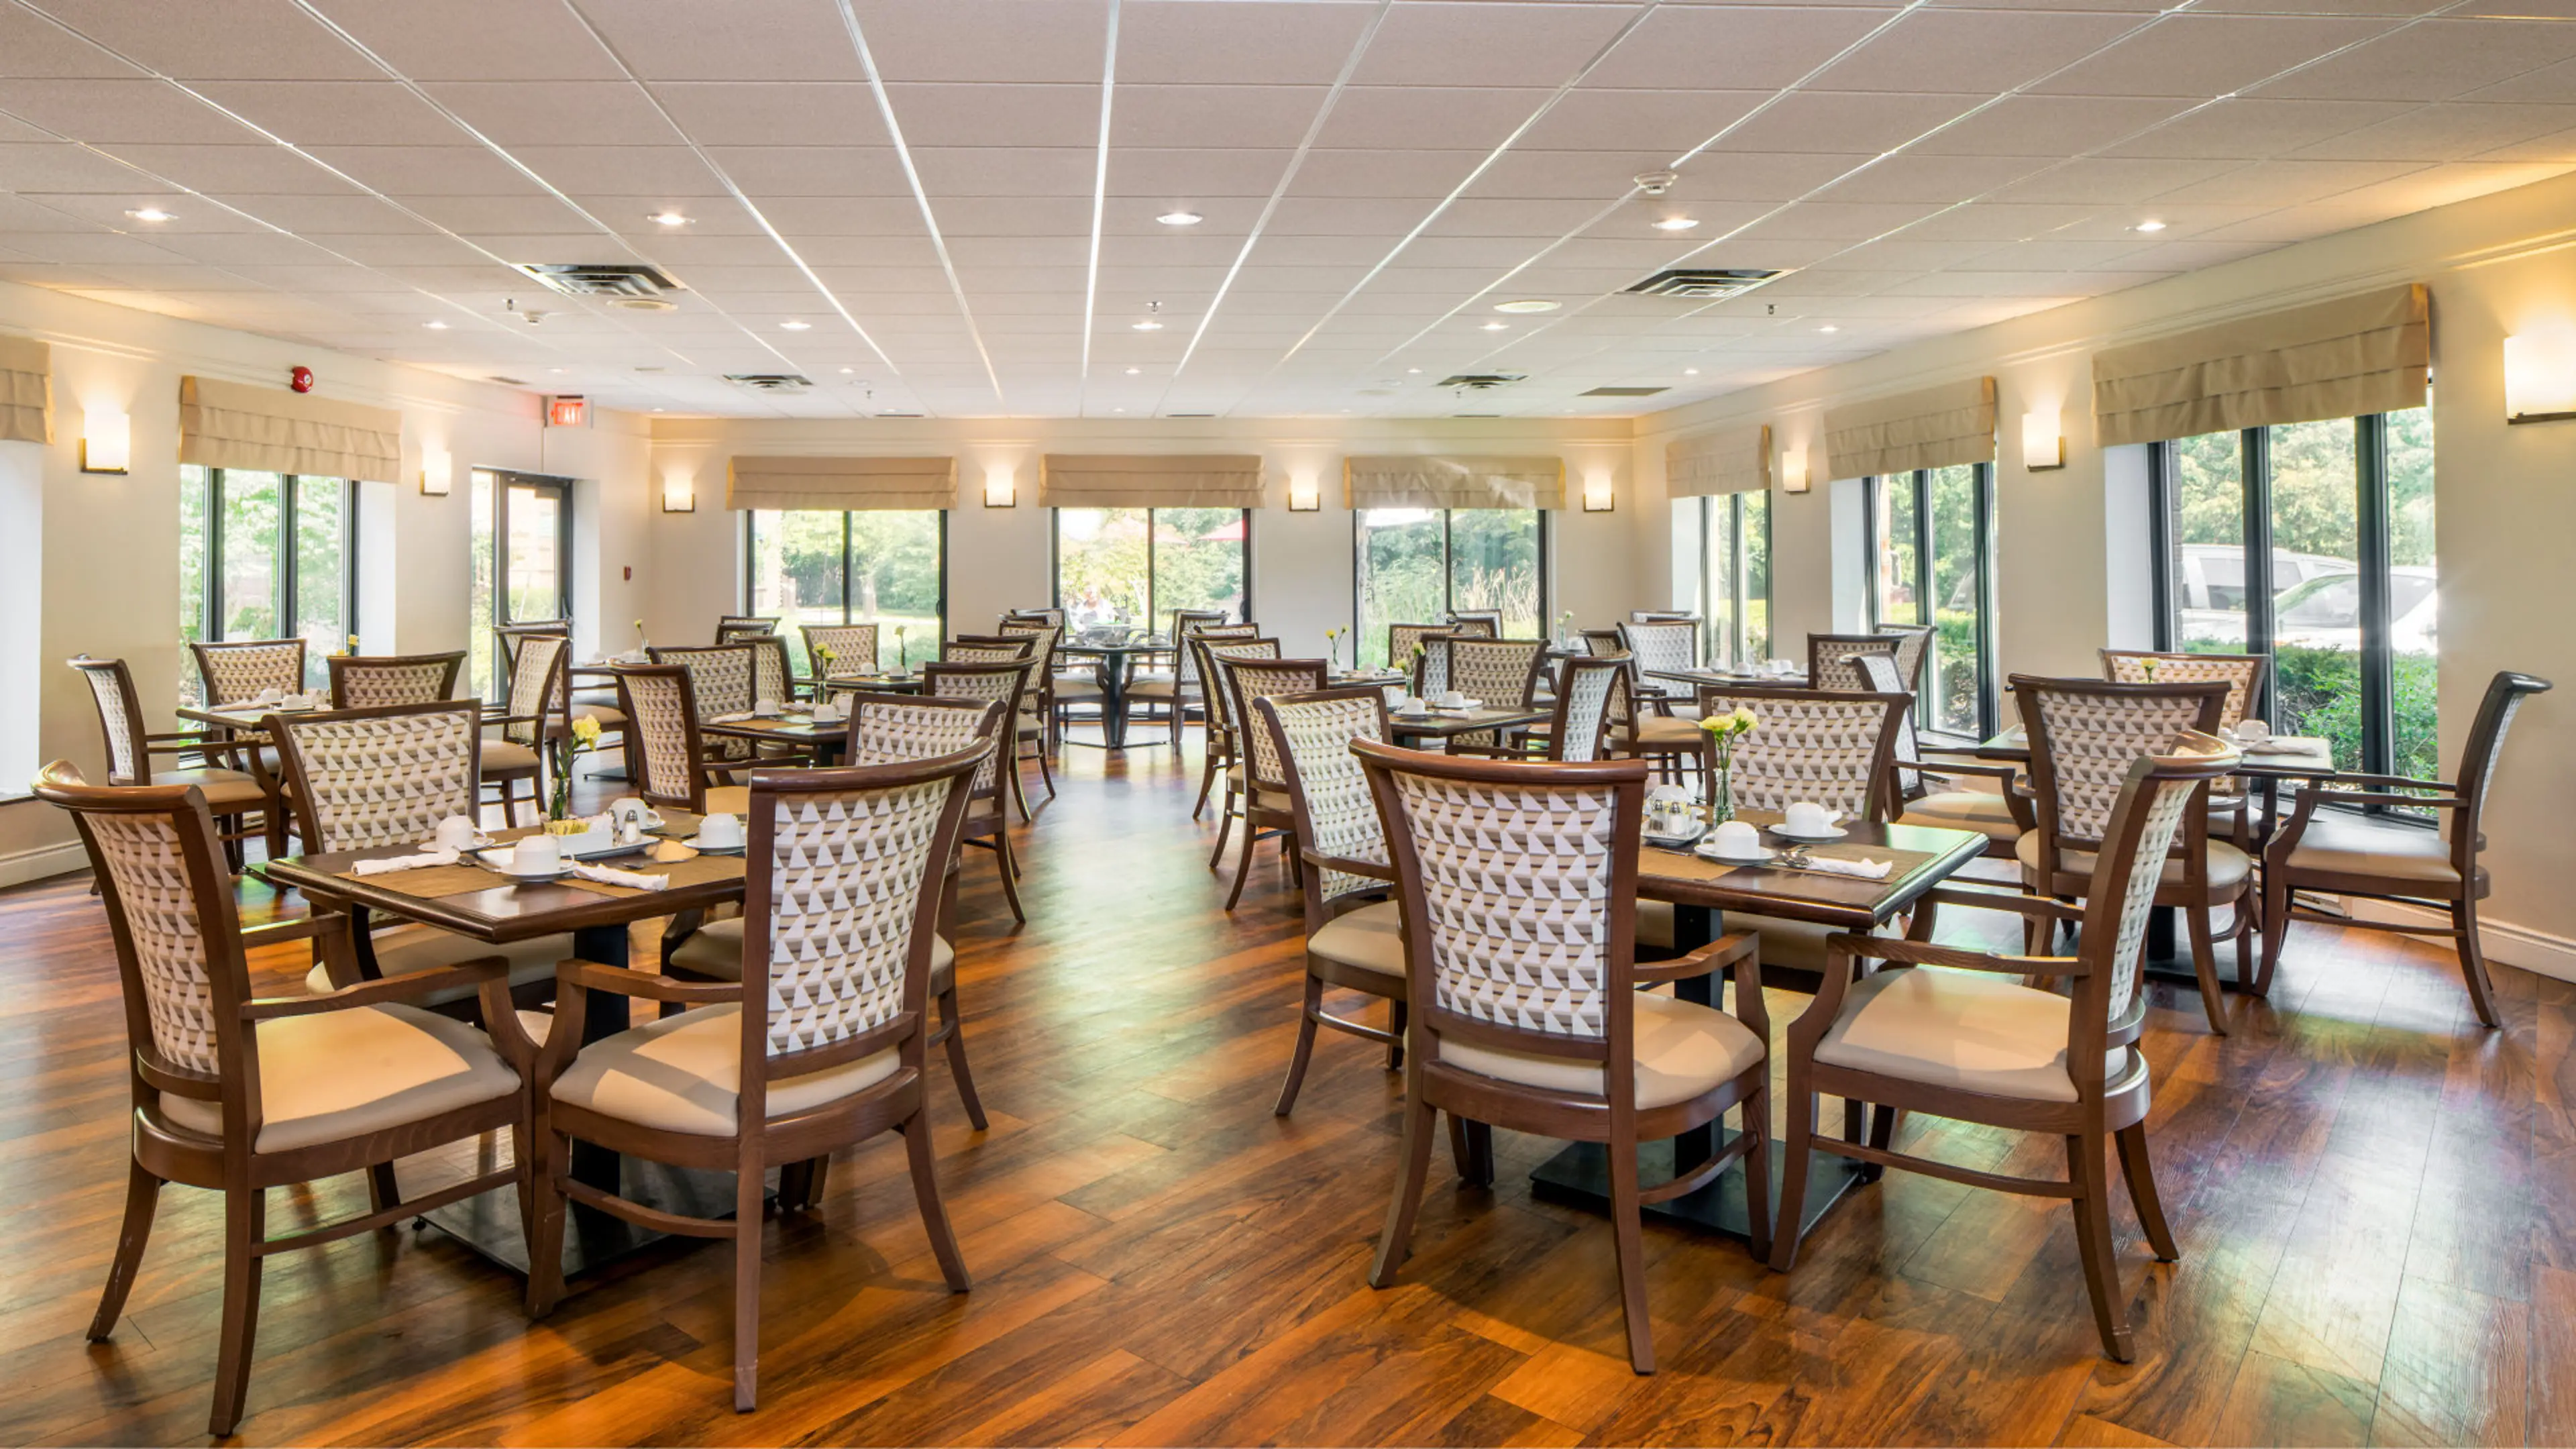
[
  {"x": 1448, "y": 724},
  {"x": 481, "y": 904},
  {"x": 795, "y": 725},
  {"x": 1113, "y": 665},
  {"x": 1730, "y": 678},
  {"x": 1701, "y": 891}
]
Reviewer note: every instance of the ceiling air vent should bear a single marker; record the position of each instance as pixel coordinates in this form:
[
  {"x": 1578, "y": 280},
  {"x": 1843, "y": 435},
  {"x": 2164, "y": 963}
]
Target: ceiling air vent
[
  {"x": 770, "y": 381},
  {"x": 1189, "y": 415},
  {"x": 1703, "y": 283},
  {"x": 1481, "y": 380},
  {"x": 507, "y": 381},
  {"x": 1475, "y": 415},
  {"x": 601, "y": 279},
  {"x": 898, "y": 415},
  {"x": 1624, "y": 391}
]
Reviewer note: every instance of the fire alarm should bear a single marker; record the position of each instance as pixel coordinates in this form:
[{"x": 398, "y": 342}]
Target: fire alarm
[
  {"x": 568, "y": 412},
  {"x": 300, "y": 378}
]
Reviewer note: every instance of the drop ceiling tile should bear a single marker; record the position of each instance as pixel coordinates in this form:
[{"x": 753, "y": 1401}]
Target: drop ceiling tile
[
  {"x": 2433, "y": 60},
  {"x": 774, "y": 172},
  {"x": 671, "y": 172},
  {"x": 1165, "y": 42},
  {"x": 31, "y": 46},
  {"x": 1428, "y": 118},
  {"x": 421, "y": 248},
  {"x": 764, "y": 113},
  {"x": 2243, "y": 128},
  {"x": 911, "y": 249},
  {"x": 344, "y": 113},
  {"x": 1252, "y": 116},
  {"x": 2549, "y": 85},
  {"x": 2427, "y": 187},
  {"x": 1762, "y": 47},
  {"x": 1980, "y": 51},
  {"x": 59, "y": 167},
  {"x": 415, "y": 171},
  {"x": 1489, "y": 45},
  {"x": 2443, "y": 133},
  {"x": 1185, "y": 177},
  {"x": 1763, "y": 177},
  {"x": 2557, "y": 147},
  {"x": 532, "y": 214},
  {"x": 2049, "y": 126},
  {"x": 217, "y": 39},
  {"x": 996, "y": 115},
  {"x": 95, "y": 248},
  {"x": 1843, "y": 121},
  {"x": 1999, "y": 221},
  {"x": 745, "y": 40},
  {"x": 1005, "y": 216},
  {"x": 1668, "y": 124},
  {"x": 2106, "y": 181},
  {"x": 475, "y": 39},
  {"x": 2287, "y": 183},
  {"x": 1006, "y": 170},
  {"x": 544, "y": 113},
  {"x": 272, "y": 169},
  {"x": 316, "y": 213},
  {"x": 102, "y": 111},
  {"x": 2200, "y": 56},
  {"x": 972, "y": 41},
  {"x": 1935, "y": 179}
]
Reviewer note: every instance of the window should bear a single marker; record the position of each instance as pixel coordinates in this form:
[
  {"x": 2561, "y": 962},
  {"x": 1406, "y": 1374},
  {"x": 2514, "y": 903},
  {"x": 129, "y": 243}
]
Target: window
[
  {"x": 2312, "y": 542},
  {"x": 1134, "y": 566},
  {"x": 1734, "y": 532},
  {"x": 522, "y": 563},
  {"x": 1931, "y": 539},
  {"x": 266, "y": 556},
  {"x": 887, "y": 567},
  {"x": 1417, "y": 564}
]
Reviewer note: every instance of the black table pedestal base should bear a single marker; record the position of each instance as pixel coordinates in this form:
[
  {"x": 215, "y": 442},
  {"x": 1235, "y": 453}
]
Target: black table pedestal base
[
  {"x": 488, "y": 1223},
  {"x": 1580, "y": 1176}
]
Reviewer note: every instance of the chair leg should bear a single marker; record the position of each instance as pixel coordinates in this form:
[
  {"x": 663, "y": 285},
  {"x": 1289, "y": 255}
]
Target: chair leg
[
  {"x": 952, "y": 1023},
  {"x": 245, "y": 1224},
  {"x": 2276, "y": 926},
  {"x": 1010, "y": 871},
  {"x": 1224, "y": 827},
  {"x": 2204, "y": 965},
  {"x": 523, "y": 1149},
  {"x": 1046, "y": 771},
  {"x": 1207, "y": 775},
  {"x": 1627, "y": 1226},
  {"x": 2473, "y": 960},
  {"x": 1243, "y": 862},
  {"x": 1757, "y": 1170},
  {"x": 1019, "y": 786},
  {"x": 1793, "y": 1172},
  {"x": 1297, "y": 1060},
  {"x": 1397, "y": 1239},
  {"x": 545, "y": 1245},
  {"x": 1399, "y": 1011},
  {"x": 2093, "y": 1239},
  {"x": 142, "y": 1197},
  {"x": 2140, "y": 1174},
  {"x": 383, "y": 1191},
  {"x": 925, "y": 1191},
  {"x": 748, "y": 1191}
]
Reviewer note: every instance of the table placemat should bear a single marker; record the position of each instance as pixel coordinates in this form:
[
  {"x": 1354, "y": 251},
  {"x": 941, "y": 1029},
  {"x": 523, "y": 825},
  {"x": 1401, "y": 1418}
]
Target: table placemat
[
  {"x": 1687, "y": 865},
  {"x": 699, "y": 870},
  {"x": 431, "y": 882}
]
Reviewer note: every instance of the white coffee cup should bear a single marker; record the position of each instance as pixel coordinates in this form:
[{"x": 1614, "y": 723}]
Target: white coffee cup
[
  {"x": 2253, "y": 731},
  {"x": 631, "y": 810},
  {"x": 1806, "y": 817},
  {"x": 270, "y": 695},
  {"x": 457, "y": 833},
  {"x": 1411, "y": 704},
  {"x": 828, "y": 712},
  {"x": 1452, "y": 699},
  {"x": 1737, "y": 838},
  {"x": 536, "y": 855},
  {"x": 721, "y": 832},
  {"x": 763, "y": 706}
]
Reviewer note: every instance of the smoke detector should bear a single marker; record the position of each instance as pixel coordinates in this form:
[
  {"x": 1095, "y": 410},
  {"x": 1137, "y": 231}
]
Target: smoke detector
[
  {"x": 644, "y": 304},
  {"x": 1655, "y": 183}
]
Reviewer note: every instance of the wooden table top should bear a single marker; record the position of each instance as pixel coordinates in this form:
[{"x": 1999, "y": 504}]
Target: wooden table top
[
  {"x": 504, "y": 911},
  {"x": 2312, "y": 760},
  {"x": 240, "y": 716},
  {"x": 795, "y": 726},
  {"x": 1449, "y": 726},
  {"x": 1924, "y": 856},
  {"x": 1132, "y": 646},
  {"x": 1730, "y": 678}
]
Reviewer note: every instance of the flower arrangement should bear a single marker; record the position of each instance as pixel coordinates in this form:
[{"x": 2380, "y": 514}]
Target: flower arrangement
[
  {"x": 823, "y": 657},
  {"x": 1723, "y": 732},
  {"x": 352, "y": 650},
  {"x": 1333, "y": 647},
  {"x": 902, "y": 652},
  {"x": 580, "y": 740},
  {"x": 2149, "y": 665},
  {"x": 1565, "y": 627}
]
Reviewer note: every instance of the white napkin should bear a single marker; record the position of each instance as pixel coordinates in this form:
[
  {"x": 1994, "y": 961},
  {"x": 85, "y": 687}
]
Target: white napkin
[
  {"x": 1865, "y": 869},
  {"x": 609, "y": 875},
  {"x": 733, "y": 718},
  {"x": 404, "y": 862}
]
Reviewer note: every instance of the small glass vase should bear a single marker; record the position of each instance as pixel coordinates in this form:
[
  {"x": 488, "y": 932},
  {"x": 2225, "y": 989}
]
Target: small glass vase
[{"x": 1721, "y": 796}]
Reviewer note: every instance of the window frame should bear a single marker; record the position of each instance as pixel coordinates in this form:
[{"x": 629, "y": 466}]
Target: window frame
[
  {"x": 1153, "y": 578},
  {"x": 210, "y": 601},
  {"x": 1982, "y": 534},
  {"x": 751, "y": 565},
  {"x": 1739, "y": 596},
  {"x": 1449, "y": 566},
  {"x": 503, "y": 480}
]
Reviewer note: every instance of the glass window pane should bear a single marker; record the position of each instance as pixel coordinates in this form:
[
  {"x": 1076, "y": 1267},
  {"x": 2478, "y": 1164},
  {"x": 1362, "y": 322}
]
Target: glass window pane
[
  {"x": 1493, "y": 564},
  {"x": 796, "y": 573},
  {"x": 1403, "y": 574},
  {"x": 2209, "y": 544},
  {"x": 1894, "y": 498},
  {"x": 479, "y": 620},
  {"x": 1717, "y": 598},
  {"x": 1957, "y": 595},
  {"x": 1100, "y": 567},
  {"x": 1756, "y": 534},
  {"x": 1198, "y": 561},
  {"x": 2414, "y": 594},
  {"x": 246, "y": 511},
  {"x": 2316, "y": 599},
  {"x": 536, "y": 579},
  {"x": 894, "y": 581},
  {"x": 192, "y": 577},
  {"x": 322, "y": 613}
]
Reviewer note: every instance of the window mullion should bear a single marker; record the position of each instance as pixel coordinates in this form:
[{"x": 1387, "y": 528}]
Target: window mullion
[
  {"x": 849, "y": 576},
  {"x": 283, "y": 571},
  {"x": 2254, "y": 469},
  {"x": 1983, "y": 500},
  {"x": 2164, "y": 505},
  {"x": 1924, "y": 616},
  {"x": 2370, "y": 481}
]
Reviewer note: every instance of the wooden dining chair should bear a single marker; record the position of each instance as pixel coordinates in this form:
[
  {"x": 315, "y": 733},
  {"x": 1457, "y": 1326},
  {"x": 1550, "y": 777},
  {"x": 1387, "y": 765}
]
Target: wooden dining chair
[
  {"x": 1263, "y": 787},
  {"x": 1224, "y": 761},
  {"x": 724, "y": 679},
  {"x": 826, "y": 1052},
  {"x": 1669, "y": 644},
  {"x": 235, "y": 671},
  {"x": 2328, "y": 846},
  {"x": 1642, "y": 725},
  {"x": 1023, "y": 649},
  {"x": 1476, "y": 623},
  {"x": 839, "y": 651},
  {"x": 772, "y": 675},
  {"x": 239, "y": 799},
  {"x": 595, "y": 702},
  {"x": 1517, "y": 883},
  {"x": 2231, "y": 802},
  {"x": 1038, "y": 725},
  {"x": 1176, "y": 691},
  {"x": 1505, "y": 674},
  {"x": 1003, "y": 683},
  {"x": 1830, "y": 658},
  {"x": 1590, "y": 690},
  {"x": 735, "y": 628},
  {"x": 1055, "y": 617},
  {"x": 1957, "y": 1034},
  {"x": 241, "y": 1095},
  {"x": 667, "y": 757},
  {"x": 1913, "y": 652},
  {"x": 535, "y": 711},
  {"x": 1924, "y": 785},
  {"x": 362, "y": 681},
  {"x": 2083, "y": 734},
  {"x": 1401, "y": 642}
]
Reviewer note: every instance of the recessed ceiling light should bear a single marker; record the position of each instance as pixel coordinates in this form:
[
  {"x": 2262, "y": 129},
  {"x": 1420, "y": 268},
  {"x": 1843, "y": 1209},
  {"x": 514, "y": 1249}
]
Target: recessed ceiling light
[
  {"x": 2149, "y": 225},
  {"x": 1118, "y": 410},
  {"x": 150, "y": 213},
  {"x": 1528, "y": 304},
  {"x": 795, "y": 326},
  {"x": 1180, "y": 218},
  {"x": 1413, "y": 369},
  {"x": 1497, "y": 326},
  {"x": 667, "y": 218},
  {"x": 1148, "y": 325},
  {"x": 1690, "y": 372},
  {"x": 1676, "y": 223},
  {"x": 554, "y": 369},
  {"x": 657, "y": 410},
  {"x": 1131, "y": 372},
  {"x": 435, "y": 326},
  {"x": 1829, "y": 327},
  {"x": 847, "y": 371}
]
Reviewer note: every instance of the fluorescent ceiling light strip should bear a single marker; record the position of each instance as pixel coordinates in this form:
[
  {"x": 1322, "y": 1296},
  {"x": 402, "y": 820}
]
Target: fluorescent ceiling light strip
[
  {"x": 921, "y": 197},
  {"x": 1099, "y": 209}
]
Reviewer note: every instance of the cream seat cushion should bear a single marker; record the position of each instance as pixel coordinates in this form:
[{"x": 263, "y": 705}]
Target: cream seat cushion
[
  {"x": 409, "y": 950},
  {"x": 1683, "y": 1049},
  {"x": 2358, "y": 847},
  {"x": 222, "y": 788},
  {"x": 1159, "y": 688},
  {"x": 1983, "y": 811},
  {"x": 1656, "y": 729},
  {"x": 2228, "y": 866},
  {"x": 504, "y": 755},
  {"x": 1794, "y": 945},
  {"x": 714, "y": 951},
  {"x": 728, "y": 799},
  {"x": 1969, "y": 1031},
  {"x": 1371, "y": 938},
  {"x": 364, "y": 1069},
  {"x": 1070, "y": 688},
  {"x": 684, "y": 1074},
  {"x": 609, "y": 716},
  {"x": 1266, "y": 799}
]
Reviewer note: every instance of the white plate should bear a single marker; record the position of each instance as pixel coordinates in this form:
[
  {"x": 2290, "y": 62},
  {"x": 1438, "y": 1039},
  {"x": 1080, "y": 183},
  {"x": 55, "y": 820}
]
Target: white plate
[
  {"x": 699, "y": 844},
  {"x": 480, "y": 841},
  {"x": 1836, "y": 833},
  {"x": 504, "y": 859},
  {"x": 1764, "y": 856}
]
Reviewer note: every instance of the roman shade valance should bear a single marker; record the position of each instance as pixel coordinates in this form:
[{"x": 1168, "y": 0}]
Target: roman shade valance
[
  {"x": 2370, "y": 353},
  {"x": 234, "y": 425},
  {"x": 1937, "y": 427},
  {"x": 1150, "y": 480},
  {"x": 1437, "y": 481},
  {"x": 26, "y": 391},
  {"x": 840, "y": 484},
  {"x": 1731, "y": 462}
]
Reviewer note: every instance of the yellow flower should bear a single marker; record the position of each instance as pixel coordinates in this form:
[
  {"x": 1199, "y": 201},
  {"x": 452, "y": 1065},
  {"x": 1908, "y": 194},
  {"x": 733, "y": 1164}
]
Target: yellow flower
[{"x": 586, "y": 730}]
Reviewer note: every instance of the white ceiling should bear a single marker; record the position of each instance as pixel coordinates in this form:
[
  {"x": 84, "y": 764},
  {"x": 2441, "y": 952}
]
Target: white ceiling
[{"x": 958, "y": 198}]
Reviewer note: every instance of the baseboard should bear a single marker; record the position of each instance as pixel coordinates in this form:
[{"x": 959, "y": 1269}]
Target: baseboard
[
  {"x": 2503, "y": 941},
  {"x": 42, "y": 862}
]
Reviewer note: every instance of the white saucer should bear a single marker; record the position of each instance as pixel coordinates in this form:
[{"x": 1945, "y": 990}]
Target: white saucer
[
  {"x": 1766, "y": 856},
  {"x": 1835, "y": 833},
  {"x": 481, "y": 841},
  {"x": 699, "y": 844},
  {"x": 504, "y": 860}
]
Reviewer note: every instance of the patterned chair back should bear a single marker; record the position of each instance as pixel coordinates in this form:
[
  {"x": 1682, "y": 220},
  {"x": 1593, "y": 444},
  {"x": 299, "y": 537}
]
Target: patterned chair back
[
  {"x": 1055, "y": 617},
  {"x": 1518, "y": 884},
  {"x": 886, "y": 728},
  {"x": 540, "y": 672},
  {"x": 1429, "y": 667},
  {"x": 1883, "y": 673},
  {"x": 1311, "y": 735},
  {"x": 840, "y": 908},
  {"x": 1829, "y": 746},
  {"x": 852, "y": 649},
  {"x": 663, "y": 746},
  {"x": 1588, "y": 690},
  {"x": 1002, "y": 682},
  {"x": 235, "y": 672},
  {"x": 734, "y": 628},
  {"x": 1670, "y": 644},
  {"x": 2084, "y": 736},
  {"x": 363, "y": 682},
  {"x": 1476, "y": 623},
  {"x": 120, "y": 718},
  {"x": 1497, "y": 671},
  {"x": 1829, "y": 659},
  {"x": 723, "y": 679},
  {"x": 1214, "y": 656},
  {"x": 1603, "y": 641},
  {"x": 361, "y": 778},
  {"x": 1400, "y": 639},
  {"x": 1248, "y": 680},
  {"x": 2506, "y": 694},
  {"x": 1045, "y": 637},
  {"x": 1662, "y": 616},
  {"x": 1913, "y": 651},
  {"x": 2149, "y": 808},
  {"x": 987, "y": 649},
  {"x": 1185, "y": 620},
  {"x": 2243, "y": 673},
  {"x": 772, "y": 676}
]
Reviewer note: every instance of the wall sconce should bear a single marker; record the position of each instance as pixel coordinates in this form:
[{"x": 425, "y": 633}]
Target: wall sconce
[
  {"x": 1597, "y": 496},
  {"x": 1793, "y": 471},
  {"x": 1304, "y": 496},
  {"x": 1001, "y": 489},
  {"x": 2043, "y": 442},
  {"x": 2540, "y": 378},
  {"x": 437, "y": 474},
  {"x": 107, "y": 442},
  {"x": 679, "y": 495}
]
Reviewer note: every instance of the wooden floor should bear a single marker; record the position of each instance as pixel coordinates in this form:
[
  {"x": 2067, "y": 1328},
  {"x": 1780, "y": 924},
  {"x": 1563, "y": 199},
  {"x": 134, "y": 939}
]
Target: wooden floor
[{"x": 2376, "y": 1201}]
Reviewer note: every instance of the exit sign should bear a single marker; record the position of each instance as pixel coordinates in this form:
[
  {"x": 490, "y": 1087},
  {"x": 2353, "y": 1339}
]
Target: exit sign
[{"x": 568, "y": 412}]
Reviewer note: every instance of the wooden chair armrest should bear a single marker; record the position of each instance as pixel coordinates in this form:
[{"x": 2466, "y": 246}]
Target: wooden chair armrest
[
  {"x": 305, "y": 928},
  {"x": 625, "y": 981},
  {"x": 1348, "y": 865},
  {"x": 1734, "y": 949},
  {"x": 177, "y": 739},
  {"x": 2003, "y": 900},
  {"x": 2385, "y": 797},
  {"x": 382, "y": 989},
  {"x": 1968, "y": 766},
  {"x": 1924, "y": 953}
]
